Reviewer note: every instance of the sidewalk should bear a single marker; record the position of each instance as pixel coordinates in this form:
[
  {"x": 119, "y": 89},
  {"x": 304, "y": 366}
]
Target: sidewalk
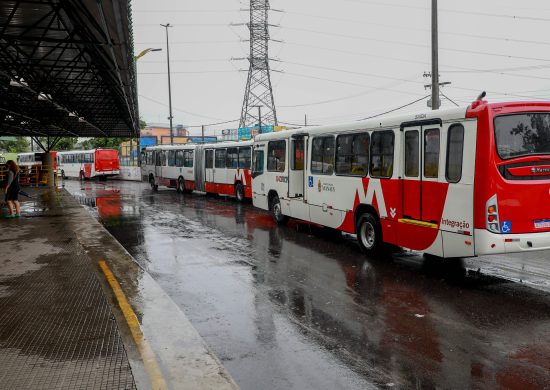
[{"x": 76, "y": 311}]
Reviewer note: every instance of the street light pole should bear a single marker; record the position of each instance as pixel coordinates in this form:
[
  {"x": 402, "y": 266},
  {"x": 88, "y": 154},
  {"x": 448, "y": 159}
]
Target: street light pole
[
  {"x": 169, "y": 84},
  {"x": 136, "y": 58}
]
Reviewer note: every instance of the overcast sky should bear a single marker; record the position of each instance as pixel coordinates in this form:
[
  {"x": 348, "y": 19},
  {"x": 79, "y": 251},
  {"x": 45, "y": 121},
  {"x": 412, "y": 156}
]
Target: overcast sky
[{"x": 340, "y": 61}]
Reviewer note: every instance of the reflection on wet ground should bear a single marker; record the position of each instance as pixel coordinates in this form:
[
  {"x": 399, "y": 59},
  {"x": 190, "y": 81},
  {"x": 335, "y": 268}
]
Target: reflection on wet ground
[{"x": 295, "y": 307}]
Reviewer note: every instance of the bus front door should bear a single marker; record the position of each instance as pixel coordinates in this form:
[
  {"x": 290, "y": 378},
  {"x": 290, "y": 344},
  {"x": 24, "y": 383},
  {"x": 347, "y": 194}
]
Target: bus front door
[{"x": 297, "y": 164}]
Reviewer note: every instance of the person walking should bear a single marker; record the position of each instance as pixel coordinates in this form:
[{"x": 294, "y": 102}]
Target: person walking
[{"x": 12, "y": 190}]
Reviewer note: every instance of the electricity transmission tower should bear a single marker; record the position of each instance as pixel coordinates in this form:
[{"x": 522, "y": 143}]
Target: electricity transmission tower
[{"x": 259, "y": 91}]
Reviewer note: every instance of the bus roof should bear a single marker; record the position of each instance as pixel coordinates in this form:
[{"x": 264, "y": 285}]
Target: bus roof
[{"x": 382, "y": 122}]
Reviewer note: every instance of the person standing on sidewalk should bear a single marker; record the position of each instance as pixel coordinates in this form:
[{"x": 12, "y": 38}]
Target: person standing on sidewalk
[{"x": 12, "y": 190}]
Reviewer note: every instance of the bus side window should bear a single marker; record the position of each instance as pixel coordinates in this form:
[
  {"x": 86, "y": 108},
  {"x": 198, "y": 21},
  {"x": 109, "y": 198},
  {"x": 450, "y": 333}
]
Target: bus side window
[
  {"x": 220, "y": 158},
  {"x": 276, "y": 156},
  {"x": 322, "y": 155},
  {"x": 171, "y": 158},
  {"x": 258, "y": 162},
  {"x": 209, "y": 159},
  {"x": 431, "y": 153},
  {"x": 381, "y": 156},
  {"x": 188, "y": 158},
  {"x": 244, "y": 157},
  {"x": 232, "y": 158},
  {"x": 455, "y": 150}
]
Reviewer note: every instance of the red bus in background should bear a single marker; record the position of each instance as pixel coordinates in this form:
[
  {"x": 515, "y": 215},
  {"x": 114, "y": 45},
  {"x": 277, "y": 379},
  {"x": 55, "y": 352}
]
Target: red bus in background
[{"x": 87, "y": 164}]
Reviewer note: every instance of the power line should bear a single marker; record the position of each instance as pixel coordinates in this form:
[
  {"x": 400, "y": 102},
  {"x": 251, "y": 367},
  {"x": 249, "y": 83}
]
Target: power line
[
  {"x": 416, "y": 44},
  {"x": 179, "y": 110},
  {"x": 449, "y": 99},
  {"x": 395, "y": 109},
  {"x": 401, "y": 27},
  {"x": 476, "y": 13}
]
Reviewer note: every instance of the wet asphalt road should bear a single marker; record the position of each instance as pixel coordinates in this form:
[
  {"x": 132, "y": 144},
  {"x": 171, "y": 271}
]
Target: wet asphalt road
[{"x": 292, "y": 307}]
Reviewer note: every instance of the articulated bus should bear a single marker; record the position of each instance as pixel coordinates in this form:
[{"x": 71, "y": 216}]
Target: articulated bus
[
  {"x": 451, "y": 183},
  {"x": 221, "y": 168},
  {"x": 87, "y": 164}
]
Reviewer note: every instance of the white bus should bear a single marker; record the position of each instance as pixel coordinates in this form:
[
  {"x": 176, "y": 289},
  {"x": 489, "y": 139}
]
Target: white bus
[
  {"x": 86, "y": 164},
  {"x": 221, "y": 168},
  {"x": 409, "y": 180}
]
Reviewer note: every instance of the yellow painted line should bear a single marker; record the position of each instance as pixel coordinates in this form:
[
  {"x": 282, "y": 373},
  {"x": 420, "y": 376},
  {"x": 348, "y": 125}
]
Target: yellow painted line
[
  {"x": 147, "y": 354},
  {"x": 418, "y": 223}
]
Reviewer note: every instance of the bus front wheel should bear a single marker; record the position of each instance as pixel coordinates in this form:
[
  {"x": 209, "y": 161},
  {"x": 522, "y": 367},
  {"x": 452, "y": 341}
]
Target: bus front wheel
[
  {"x": 369, "y": 235},
  {"x": 277, "y": 211},
  {"x": 239, "y": 192},
  {"x": 154, "y": 187}
]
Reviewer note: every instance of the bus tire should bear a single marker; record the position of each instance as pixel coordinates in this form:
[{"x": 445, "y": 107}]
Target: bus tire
[
  {"x": 154, "y": 187},
  {"x": 180, "y": 188},
  {"x": 277, "y": 211},
  {"x": 239, "y": 192},
  {"x": 369, "y": 234}
]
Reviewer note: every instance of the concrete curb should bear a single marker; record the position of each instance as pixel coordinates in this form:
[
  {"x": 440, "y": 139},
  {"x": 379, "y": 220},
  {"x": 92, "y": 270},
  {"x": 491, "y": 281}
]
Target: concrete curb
[{"x": 184, "y": 358}]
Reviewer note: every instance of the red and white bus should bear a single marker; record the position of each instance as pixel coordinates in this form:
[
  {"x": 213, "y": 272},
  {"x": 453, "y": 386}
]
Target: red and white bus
[
  {"x": 87, "y": 164},
  {"x": 31, "y": 159},
  {"x": 451, "y": 183},
  {"x": 221, "y": 168}
]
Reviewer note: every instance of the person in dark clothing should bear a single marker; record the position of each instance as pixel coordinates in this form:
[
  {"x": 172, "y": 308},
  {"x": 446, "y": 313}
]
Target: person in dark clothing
[{"x": 12, "y": 190}]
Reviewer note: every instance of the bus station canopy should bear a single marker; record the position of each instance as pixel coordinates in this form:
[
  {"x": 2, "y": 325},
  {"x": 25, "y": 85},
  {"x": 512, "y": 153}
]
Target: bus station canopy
[{"x": 67, "y": 69}]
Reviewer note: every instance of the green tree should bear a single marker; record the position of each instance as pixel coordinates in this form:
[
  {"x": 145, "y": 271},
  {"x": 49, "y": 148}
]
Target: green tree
[
  {"x": 108, "y": 143},
  {"x": 65, "y": 143},
  {"x": 20, "y": 145}
]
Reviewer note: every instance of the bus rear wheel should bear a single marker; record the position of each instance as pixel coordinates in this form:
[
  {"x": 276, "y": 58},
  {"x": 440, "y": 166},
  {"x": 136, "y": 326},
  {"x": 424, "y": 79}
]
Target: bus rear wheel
[
  {"x": 369, "y": 234},
  {"x": 277, "y": 211},
  {"x": 239, "y": 192}
]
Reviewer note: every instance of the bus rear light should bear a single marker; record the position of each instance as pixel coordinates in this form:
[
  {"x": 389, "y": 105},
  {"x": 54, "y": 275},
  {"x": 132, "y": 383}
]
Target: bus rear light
[{"x": 492, "y": 219}]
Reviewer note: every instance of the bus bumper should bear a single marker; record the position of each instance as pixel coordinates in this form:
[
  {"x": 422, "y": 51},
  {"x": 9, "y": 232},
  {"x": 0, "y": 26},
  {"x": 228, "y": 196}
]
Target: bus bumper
[{"x": 487, "y": 243}]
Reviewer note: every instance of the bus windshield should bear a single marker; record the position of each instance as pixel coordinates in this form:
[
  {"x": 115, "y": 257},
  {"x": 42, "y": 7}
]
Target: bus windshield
[{"x": 520, "y": 135}]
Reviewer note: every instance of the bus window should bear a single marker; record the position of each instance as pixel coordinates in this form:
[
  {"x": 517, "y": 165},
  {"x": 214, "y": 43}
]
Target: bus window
[
  {"x": 258, "y": 163},
  {"x": 220, "y": 158},
  {"x": 171, "y": 158},
  {"x": 179, "y": 158},
  {"x": 455, "y": 148},
  {"x": 352, "y": 154},
  {"x": 411, "y": 153},
  {"x": 188, "y": 158},
  {"x": 276, "y": 156},
  {"x": 322, "y": 155},
  {"x": 298, "y": 155},
  {"x": 244, "y": 157},
  {"x": 232, "y": 158},
  {"x": 381, "y": 160},
  {"x": 522, "y": 134},
  {"x": 161, "y": 159},
  {"x": 209, "y": 159},
  {"x": 431, "y": 153}
]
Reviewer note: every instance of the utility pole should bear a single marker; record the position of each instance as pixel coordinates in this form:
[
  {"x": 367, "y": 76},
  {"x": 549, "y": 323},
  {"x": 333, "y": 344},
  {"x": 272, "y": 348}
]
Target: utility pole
[
  {"x": 202, "y": 133},
  {"x": 169, "y": 84},
  {"x": 258, "y": 86},
  {"x": 435, "y": 59},
  {"x": 305, "y": 120}
]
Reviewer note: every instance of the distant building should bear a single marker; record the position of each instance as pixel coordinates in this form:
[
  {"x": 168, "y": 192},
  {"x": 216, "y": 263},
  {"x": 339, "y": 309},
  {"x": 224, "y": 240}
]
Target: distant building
[{"x": 161, "y": 132}]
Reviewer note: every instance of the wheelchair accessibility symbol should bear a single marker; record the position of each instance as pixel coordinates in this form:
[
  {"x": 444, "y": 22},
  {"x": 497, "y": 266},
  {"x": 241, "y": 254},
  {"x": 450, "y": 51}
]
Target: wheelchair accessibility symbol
[
  {"x": 506, "y": 227},
  {"x": 310, "y": 181}
]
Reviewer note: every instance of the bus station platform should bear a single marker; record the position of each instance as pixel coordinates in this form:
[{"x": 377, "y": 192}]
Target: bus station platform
[{"x": 76, "y": 310}]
